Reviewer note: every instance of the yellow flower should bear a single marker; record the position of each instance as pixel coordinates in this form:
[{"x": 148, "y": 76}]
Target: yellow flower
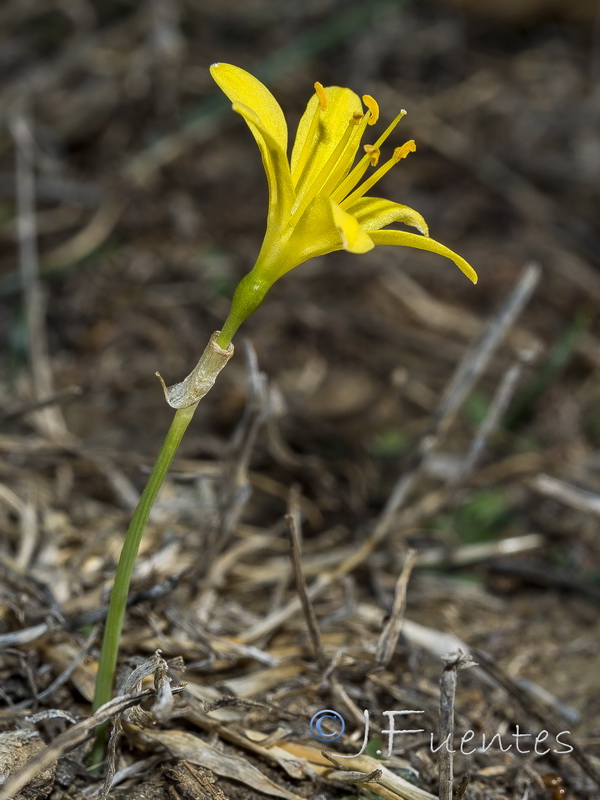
[{"x": 317, "y": 202}]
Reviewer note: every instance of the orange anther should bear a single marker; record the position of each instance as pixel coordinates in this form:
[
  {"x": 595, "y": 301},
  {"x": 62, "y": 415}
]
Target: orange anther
[
  {"x": 321, "y": 95},
  {"x": 402, "y": 152},
  {"x": 373, "y": 153},
  {"x": 373, "y": 107}
]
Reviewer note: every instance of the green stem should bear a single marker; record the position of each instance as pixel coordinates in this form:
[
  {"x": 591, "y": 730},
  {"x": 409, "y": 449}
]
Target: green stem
[
  {"x": 249, "y": 294},
  {"x": 118, "y": 598}
]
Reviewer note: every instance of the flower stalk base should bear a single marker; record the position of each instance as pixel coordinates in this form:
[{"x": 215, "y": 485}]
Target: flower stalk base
[{"x": 201, "y": 379}]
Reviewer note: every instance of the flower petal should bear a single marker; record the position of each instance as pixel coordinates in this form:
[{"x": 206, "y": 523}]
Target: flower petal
[
  {"x": 374, "y": 213},
  {"x": 242, "y": 87},
  {"x": 309, "y": 157},
  {"x": 264, "y": 117},
  {"x": 315, "y": 234},
  {"x": 281, "y": 194},
  {"x": 354, "y": 239},
  {"x": 323, "y": 228},
  {"x": 405, "y": 239}
]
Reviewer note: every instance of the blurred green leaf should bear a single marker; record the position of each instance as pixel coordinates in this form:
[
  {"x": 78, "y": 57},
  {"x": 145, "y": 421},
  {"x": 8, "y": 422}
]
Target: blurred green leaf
[
  {"x": 374, "y": 748},
  {"x": 390, "y": 444},
  {"x": 549, "y": 371},
  {"x": 476, "y": 408},
  {"x": 483, "y": 516}
]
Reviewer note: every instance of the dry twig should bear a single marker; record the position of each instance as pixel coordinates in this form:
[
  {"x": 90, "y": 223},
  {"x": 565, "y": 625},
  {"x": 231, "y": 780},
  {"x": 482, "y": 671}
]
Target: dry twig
[
  {"x": 454, "y": 662},
  {"x": 391, "y": 633},
  {"x": 49, "y": 418},
  {"x": 292, "y": 519}
]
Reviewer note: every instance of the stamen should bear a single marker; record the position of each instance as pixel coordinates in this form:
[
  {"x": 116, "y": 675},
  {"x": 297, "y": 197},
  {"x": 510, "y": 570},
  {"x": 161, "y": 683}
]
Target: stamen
[
  {"x": 325, "y": 173},
  {"x": 351, "y": 179},
  {"x": 321, "y": 95},
  {"x": 373, "y": 153},
  {"x": 308, "y": 142},
  {"x": 347, "y": 156},
  {"x": 359, "y": 170},
  {"x": 373, "y": 107},
  {"x": 399, "y": 153},
  {"x": 402, "y": 152},
  {"x": 389, "y": 129}
]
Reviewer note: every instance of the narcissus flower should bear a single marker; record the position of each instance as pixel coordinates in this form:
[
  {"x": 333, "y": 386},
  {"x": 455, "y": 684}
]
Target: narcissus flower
[{"x": 318, "y": 198}]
